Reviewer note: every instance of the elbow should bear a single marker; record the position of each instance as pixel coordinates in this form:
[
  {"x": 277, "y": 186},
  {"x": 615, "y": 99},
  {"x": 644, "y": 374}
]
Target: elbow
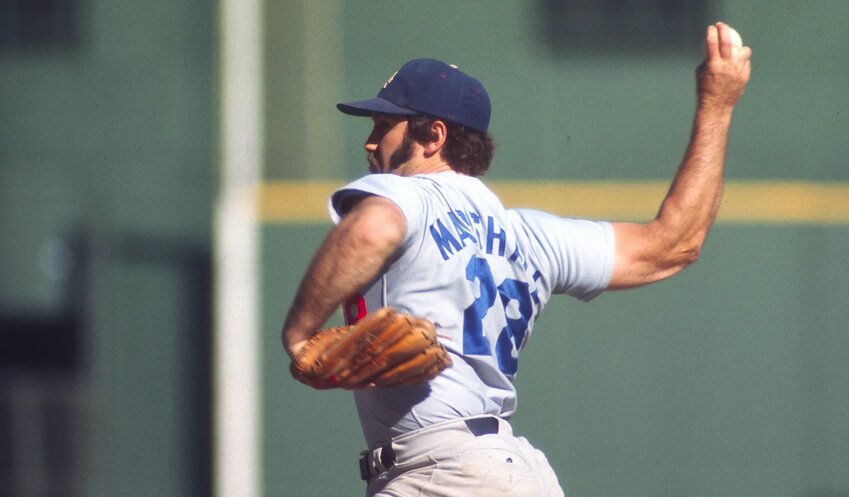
[
  {"x": 683, "y": 255},
  {"x": 679, "y": 255},
  {"x": 683, "y": 246},
  {"x": 647, "y": 254},
  {"x": 690, "y": 254}
]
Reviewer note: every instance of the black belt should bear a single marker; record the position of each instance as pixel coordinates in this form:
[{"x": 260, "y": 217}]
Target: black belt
[{"x": 477, "y": 426}]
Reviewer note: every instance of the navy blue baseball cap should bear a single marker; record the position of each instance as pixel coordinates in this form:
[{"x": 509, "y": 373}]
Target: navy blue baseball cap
[{"x": 428, "y": 87}]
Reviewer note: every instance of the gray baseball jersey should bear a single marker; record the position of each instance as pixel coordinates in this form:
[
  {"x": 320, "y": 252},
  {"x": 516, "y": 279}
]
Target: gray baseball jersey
[{"x": 482, "y": 274}]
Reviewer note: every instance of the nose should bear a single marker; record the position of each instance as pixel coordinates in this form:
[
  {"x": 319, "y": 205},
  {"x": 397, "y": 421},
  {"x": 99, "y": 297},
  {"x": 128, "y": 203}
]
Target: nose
[{"x": 371, "y": 142}]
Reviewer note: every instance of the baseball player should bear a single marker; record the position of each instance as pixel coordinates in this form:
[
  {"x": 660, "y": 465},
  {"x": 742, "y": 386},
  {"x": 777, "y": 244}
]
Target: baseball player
[{"x": 423, "y": 235}]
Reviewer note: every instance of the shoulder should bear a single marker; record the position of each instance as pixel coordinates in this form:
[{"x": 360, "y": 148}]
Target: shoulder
[
  {"x": 382, "y": 185},
  {"x": 408, "y": 193},
  {"x": 403, "y": 190}
]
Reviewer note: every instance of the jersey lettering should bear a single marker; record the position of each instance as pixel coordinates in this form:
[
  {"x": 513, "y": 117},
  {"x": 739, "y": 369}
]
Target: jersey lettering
[
  {"x": 518, "y": 309},
  {"x": 517, "y": 303},
  {"x": 467, "y": 230},
  {"x": 495, "y": 233},
  {"x": 475, "y": 341},
  {"x": 444, "y": 240},
  {"x": 462, "y": 228}
]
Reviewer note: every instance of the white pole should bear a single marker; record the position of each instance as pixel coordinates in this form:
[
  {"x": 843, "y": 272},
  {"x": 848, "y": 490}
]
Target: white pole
[{"x": 237, "y": 463}]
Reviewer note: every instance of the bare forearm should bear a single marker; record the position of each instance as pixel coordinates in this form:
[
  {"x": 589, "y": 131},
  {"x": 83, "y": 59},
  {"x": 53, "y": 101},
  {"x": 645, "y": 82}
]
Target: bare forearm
[
  {"x": 351, "y": 256},
  {"x": 693, "y": 200},
  {"x": 329, "y": 280}
]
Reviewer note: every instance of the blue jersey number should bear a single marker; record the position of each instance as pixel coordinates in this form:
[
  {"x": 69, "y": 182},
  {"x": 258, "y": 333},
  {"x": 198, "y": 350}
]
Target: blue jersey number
[{"x": 475, "y": 341}]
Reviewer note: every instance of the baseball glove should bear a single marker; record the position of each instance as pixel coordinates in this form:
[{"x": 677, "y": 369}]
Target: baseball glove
[{"x": 384, "y": 349}]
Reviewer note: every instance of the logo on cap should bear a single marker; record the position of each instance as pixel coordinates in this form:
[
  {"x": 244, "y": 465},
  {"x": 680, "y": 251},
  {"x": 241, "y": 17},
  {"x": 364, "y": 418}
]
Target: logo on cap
[{"x": 390, "y": 79}]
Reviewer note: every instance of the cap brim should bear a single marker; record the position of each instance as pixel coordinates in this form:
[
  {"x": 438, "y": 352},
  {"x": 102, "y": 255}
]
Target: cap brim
[{"x": 373, "y": 106}]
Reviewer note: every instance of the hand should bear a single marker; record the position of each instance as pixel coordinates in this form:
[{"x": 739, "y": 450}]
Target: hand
[
  {"x": 723, "y": 75},
  {"x": 318, "y": 383}
]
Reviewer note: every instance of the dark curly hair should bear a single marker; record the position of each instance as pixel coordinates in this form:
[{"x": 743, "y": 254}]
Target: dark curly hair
[{"x": 467, "y": 151}]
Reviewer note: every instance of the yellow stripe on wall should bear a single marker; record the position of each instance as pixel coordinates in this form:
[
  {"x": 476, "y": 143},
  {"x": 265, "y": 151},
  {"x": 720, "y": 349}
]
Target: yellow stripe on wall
[
  {"x": 781, "y": 202},
  {"x": 743, "y": 202},
  {"x": 295, "y": 202}
]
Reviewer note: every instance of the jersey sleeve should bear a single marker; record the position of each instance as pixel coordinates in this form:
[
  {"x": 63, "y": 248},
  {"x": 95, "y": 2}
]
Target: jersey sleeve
[
  {"x": 401, "y": 191},
  {"x": 575, "y": 255}
]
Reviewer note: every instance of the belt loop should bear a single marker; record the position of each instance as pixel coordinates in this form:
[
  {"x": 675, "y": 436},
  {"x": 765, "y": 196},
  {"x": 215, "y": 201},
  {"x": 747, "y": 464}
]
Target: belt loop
[
  {"x": 487, "y": 425},
  {"x": 387, "y": 457},
  {"x": 377, "y": 461},
  {"x": 365, "y": 474}
]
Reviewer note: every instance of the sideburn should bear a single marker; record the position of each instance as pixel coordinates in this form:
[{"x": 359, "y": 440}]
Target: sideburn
[{"x": 403, "y": 154}]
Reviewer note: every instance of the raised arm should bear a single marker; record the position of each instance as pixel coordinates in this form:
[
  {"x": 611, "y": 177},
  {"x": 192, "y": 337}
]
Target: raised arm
[
  {"x": 673, "y": 240},
  {"x": 351, "y": 256}
]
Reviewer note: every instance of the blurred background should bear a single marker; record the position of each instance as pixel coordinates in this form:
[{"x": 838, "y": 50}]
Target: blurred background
[{"x": 163, "y": 173}]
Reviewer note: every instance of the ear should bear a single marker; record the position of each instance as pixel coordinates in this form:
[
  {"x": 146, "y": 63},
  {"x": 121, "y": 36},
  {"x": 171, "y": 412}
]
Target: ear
[{"x": 438, "y": 135}]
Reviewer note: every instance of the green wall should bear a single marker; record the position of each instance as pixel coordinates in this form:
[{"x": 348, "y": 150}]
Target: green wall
[
  {"x": 729, "y": 379},
  {"x": 108, "y": 147}
]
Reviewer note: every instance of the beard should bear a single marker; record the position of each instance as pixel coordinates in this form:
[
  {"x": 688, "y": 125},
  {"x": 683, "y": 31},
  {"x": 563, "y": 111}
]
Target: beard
[{"x": 399, "y": 157}]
